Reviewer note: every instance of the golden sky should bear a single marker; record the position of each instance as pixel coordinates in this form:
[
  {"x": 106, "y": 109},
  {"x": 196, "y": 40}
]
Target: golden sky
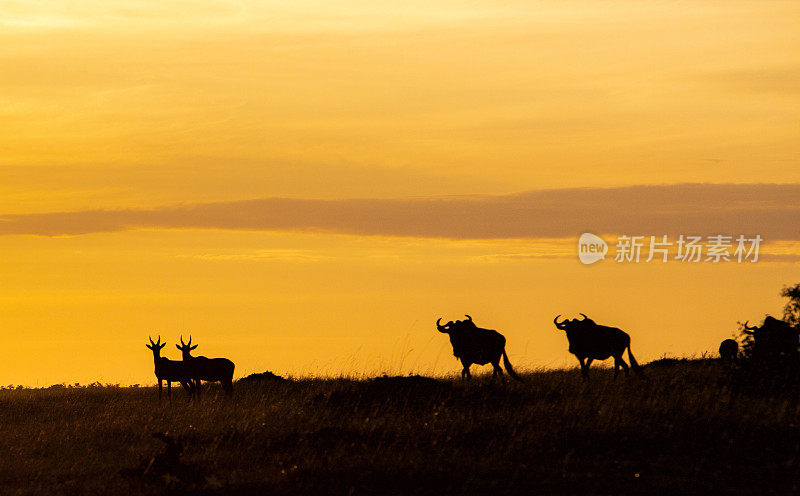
[{"x": 306, "y": 186}]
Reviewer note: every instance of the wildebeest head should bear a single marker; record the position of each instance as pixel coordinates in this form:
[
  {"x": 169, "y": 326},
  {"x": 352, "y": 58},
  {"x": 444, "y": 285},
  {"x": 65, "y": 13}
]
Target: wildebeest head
[
  {"x": 771, "y": 325},
  {"x": 574, "y": 324},
  {"x": 468, "y": 339},
  {"x": 447, "y": 328},
  {"x": 770, "y": 322},
  {"x": 453, "y": 326}
]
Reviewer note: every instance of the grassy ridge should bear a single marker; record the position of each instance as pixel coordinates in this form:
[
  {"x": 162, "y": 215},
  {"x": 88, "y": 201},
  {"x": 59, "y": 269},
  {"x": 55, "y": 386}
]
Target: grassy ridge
[{"x": 687, "y": 429}]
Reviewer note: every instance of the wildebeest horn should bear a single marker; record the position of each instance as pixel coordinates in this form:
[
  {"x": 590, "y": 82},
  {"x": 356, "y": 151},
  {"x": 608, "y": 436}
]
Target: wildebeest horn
[
  {"x": 561, "y": 325},
  {"x": 749, "y": 328},
  {"x": 439, "y": 326},
  {"x": 584, "y": 316},
  {"x": 468, "y": 317}
]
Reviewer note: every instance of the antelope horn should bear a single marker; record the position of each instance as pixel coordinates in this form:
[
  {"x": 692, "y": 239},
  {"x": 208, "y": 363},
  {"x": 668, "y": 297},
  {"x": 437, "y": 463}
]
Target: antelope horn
[{"x": 151, "y": 340}]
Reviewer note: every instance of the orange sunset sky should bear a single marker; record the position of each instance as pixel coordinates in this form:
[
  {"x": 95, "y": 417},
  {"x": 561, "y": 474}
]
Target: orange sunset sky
[{"x": 305, "y": 187}]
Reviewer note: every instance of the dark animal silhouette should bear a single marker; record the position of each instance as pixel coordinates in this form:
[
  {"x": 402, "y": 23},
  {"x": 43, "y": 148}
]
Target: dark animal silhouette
[
  {"x": 473, "y": 344},
  {"x": 168, "y": 370},
  {"x": 207, "y": 369},
  {"x": 773, "y": 338},
  {"x": 589, "y": 341},
  {"x": 728, "y": 350},
  {"x": 166, "y": 462},
  {"x": 167, "y": 467}
]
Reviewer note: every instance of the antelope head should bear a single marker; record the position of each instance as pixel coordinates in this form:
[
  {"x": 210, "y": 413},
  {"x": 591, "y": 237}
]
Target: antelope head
[
  {"x": 186, "y": 348},
  {"x": 156, "y": 346}
]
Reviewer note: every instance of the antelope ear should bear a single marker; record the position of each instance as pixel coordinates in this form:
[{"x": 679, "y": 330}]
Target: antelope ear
[
  {"x": 178, "y": 346},
  {"x": 149, "y": 347},
  {"x": 162, "y": 345},
  {"x": 193, "y": 347}
]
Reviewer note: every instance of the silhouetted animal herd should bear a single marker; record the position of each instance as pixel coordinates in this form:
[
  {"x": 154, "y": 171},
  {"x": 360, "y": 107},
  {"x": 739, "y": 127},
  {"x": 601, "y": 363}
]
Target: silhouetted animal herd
[
  {"x": 473, "y": 345},
  {"x": 190, "y": 371}
]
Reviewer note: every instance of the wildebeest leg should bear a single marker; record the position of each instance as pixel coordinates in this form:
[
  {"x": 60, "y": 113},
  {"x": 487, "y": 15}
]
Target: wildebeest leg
[
  {"x": 624, "y": 365},
  {"x": 497, "y": 371},
  {"x": 584, "y": 371},
  {"x": 227, "y": 385},
  {"x": 588, "y": 362},
  {"x": 465, "y": 372}
]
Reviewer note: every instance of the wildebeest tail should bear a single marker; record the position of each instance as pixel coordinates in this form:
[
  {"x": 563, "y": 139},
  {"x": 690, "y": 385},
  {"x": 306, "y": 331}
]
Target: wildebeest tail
[
  {"x": 634, "y": 364},
  {"x": 509, "y": 368}
]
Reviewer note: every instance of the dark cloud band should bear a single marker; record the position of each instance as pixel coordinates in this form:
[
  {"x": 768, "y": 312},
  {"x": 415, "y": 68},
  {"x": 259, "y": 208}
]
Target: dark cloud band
[{"x": 772, "y": 210}]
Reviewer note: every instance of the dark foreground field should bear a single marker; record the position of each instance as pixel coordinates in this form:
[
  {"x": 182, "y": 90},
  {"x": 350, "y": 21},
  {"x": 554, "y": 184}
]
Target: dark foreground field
[{"x": 692, "y": 427}]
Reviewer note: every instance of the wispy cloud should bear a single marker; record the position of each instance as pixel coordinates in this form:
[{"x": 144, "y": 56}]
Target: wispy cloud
[
  {"x": 783, "y": 79},
  {"x": 771, "y": 210},
  {"x": 283, "y": 255}
]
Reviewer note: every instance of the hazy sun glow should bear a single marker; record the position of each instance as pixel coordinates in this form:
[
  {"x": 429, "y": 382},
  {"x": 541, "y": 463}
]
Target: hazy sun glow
[{"x": 401, "y": 116}]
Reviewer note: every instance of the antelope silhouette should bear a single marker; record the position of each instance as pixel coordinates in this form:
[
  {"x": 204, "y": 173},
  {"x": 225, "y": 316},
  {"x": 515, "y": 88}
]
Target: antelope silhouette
[
  {"x": 168, "y": 370},
  {"x": 201, "y": 368}
]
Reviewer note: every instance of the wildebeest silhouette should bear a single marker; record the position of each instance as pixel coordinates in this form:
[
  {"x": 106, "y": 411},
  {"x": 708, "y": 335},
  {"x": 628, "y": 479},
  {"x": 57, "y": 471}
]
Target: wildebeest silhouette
[
  {"x": 773, "y": 338},
  {"x": 207, "y": 369},
  {"x": 728, "y": 350},
  {"x": 473, "y": 344},
  {"x": 168, "y": 370},
  {"x": 589, "y": 341}
]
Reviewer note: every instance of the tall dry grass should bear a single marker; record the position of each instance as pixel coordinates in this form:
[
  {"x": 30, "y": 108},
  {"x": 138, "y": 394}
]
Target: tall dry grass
[{"x": 689, "y": 428}]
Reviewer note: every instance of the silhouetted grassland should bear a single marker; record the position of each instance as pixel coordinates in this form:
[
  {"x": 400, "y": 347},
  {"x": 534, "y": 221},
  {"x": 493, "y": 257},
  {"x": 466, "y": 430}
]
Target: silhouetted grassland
[{"x": 690, "y": 427}]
